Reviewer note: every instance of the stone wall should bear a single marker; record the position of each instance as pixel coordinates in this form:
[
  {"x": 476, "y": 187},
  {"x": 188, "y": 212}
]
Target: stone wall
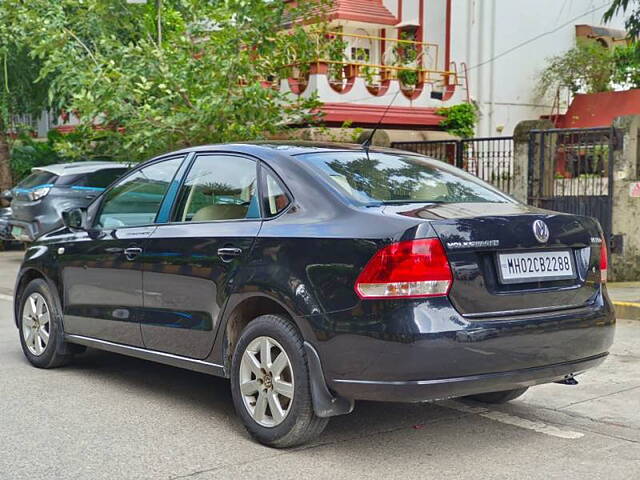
[{"x": 625, "y": 266}]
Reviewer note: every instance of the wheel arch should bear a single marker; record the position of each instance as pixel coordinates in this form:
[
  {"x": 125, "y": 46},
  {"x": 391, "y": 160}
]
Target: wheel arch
[
  {"x": 240, "y": 312},
  {"x": 325, "y": 403},
  {"x": 26, "y": 276}
]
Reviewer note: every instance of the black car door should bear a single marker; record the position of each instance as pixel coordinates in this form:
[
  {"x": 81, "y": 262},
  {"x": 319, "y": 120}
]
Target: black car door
[
  {"x": 102, "y": 268},
  {"x": 191, "y": 261}
]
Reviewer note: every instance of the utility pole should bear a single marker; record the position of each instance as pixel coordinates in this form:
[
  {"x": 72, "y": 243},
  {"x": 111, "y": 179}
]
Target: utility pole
[{"x": 159, "y": 21}]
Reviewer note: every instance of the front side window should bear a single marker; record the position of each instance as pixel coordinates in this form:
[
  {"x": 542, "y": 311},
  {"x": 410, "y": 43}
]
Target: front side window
[
  {"x": 219, "y": 187},
  {"x": 136, "y": 199},
  {"x": 400, "y": 178}
]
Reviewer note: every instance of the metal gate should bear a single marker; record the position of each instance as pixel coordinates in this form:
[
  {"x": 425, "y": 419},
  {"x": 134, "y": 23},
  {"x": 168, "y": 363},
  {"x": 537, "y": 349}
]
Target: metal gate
[
  {"x": 489, "y": 158},
  {"x": 571, "y": 170}
]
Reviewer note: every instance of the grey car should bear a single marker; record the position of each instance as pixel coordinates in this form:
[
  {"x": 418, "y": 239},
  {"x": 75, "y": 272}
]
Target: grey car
[
  {"x": 6, "y": 239},
  {"x": 39, "y": 199}
]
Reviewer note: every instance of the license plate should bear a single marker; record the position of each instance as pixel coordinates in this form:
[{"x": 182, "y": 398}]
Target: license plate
[
  {"x": 535, "y": 266},
  {"x": 16, "y": 232}
]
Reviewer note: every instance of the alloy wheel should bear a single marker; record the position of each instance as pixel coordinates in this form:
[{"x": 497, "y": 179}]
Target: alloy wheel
[
  {"x": 36, "y": 323},
  {"x": 266, "y": 381}
]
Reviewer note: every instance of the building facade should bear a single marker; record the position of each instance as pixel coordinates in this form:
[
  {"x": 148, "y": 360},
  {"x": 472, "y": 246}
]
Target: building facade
[
  {"x": 506, "y": 43},
  {"x": 421, "y": 55}
]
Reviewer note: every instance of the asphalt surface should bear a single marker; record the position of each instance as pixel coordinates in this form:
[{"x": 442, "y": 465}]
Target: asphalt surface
[{"x": 111, "y": 417}]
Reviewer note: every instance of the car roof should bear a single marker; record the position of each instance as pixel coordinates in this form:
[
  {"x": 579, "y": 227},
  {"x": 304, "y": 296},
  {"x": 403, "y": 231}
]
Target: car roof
[
  {"x": 75, "y": 168},
  {"x": 286, "y": 147}
]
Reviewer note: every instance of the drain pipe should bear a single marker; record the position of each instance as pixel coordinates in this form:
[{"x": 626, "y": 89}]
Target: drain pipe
[
  {"x": 492, "y": 79},
  {"x": 480, "y": 74}
]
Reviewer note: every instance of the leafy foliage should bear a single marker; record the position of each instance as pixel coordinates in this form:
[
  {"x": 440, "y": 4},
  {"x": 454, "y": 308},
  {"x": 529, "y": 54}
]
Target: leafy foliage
[
  {"x": 28, "y": 153},
  {"x": 632, "y": 22},
  {"x": 197, "y": 78},
  {"x": 587, "y": 68},
  {"x": 459, "y": 120},
  {"x": 20, "y": 93},
  {"x": 591, "y": 68},
  {"x": 626, "y": 66}
]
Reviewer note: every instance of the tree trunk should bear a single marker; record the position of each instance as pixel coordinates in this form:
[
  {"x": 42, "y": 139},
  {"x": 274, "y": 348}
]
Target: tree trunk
[{"x": 5, "y": 167}]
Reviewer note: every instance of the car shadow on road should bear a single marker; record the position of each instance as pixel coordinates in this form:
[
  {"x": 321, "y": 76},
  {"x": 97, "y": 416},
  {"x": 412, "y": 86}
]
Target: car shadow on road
[
  {"x": 208, "y": 395},
  {"x": 195, "y": 390}
]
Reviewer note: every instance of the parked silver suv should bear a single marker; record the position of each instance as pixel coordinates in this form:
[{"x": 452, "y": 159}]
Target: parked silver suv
[{"x": 39, "y": 199}]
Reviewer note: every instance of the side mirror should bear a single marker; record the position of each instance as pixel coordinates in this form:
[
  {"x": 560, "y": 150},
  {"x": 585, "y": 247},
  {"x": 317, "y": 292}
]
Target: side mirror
[{"x": 75, "y": 219}]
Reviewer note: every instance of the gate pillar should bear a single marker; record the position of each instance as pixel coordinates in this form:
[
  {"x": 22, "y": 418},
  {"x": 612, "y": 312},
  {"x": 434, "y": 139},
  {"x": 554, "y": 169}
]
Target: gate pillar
[
  {"x": 521, "y": 156},
  {"x": 626, "y": 200}
]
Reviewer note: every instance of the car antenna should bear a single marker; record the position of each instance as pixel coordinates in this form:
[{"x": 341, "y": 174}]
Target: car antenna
[{"x": 367, "y": 143}]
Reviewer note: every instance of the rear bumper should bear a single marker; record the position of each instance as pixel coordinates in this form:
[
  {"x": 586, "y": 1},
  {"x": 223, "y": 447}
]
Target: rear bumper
[
  {"x": 422, "y": 350},
  {"x": 421, "y": 390}
]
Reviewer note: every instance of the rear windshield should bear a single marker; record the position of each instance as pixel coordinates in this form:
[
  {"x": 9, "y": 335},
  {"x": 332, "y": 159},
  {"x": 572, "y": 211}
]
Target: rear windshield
[
  {"x": 399, "y": 178},
  {"x": 99, "y": 179},
  {"x": 37, "y": 179}
]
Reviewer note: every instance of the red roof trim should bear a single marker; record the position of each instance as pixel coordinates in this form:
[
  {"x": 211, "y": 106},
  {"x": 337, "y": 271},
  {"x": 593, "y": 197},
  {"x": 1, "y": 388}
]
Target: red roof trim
[
  {"x": 368, "y": 11},
  {"x": 369, "y": 115}
]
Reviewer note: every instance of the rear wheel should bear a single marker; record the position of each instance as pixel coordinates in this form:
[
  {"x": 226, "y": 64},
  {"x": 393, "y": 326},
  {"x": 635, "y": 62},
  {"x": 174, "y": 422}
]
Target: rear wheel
[
  {"x": 40, "y": 327},
  {"x": 499, "y": 397},
  {"x": 270, "y": 384}
]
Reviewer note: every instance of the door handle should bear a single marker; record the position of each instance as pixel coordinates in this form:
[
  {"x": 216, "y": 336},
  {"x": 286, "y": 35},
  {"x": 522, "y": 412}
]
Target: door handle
[
  {"x": 227, "y": 253},
  {"x": 132, "y": 252}
]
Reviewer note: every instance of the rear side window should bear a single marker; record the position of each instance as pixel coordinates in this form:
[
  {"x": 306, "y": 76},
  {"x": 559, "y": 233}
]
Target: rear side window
[
  {"x": 103, "y": 178},
  {"x": 99, "y": 180},
  {"x": 397, "y": 178},
  {"x": 219, "y": 187},
  {"x": 276, "y": 198},
  {"x": 38, "y": 178}
]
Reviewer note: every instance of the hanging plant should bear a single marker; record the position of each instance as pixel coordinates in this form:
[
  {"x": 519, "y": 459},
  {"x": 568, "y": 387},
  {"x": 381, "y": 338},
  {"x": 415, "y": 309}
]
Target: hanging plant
[{"x": 406, "y": 55}]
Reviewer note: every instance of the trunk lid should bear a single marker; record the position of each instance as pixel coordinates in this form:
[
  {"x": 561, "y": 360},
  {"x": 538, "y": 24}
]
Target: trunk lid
[{"x": 475, "y": 234}]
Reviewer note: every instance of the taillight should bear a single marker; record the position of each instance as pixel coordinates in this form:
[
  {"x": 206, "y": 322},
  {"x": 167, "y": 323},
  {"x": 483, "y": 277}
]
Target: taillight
[
  {"x": 604, "y": 261},
  {"x": 416, "y": 268}
]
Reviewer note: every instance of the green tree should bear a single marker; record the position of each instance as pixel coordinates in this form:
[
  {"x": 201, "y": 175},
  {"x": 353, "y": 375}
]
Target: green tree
[
  {"x": 632, "y": 22},
  {"x": 155, "y": 80},
  {"x": 20, "y": 93}
]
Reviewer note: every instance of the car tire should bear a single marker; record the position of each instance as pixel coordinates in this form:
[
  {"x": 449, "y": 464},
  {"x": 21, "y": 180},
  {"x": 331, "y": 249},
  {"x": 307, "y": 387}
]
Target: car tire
[
  {"x": 499, "y": 397},
  {"x": 40, "y": 327},
  {"x": 291, "y": 421}
]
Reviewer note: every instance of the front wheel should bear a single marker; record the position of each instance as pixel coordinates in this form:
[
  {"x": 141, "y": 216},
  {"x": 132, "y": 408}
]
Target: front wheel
[
  {"x": 40, "y": 327},
  {"x": 270, "y": 384},
  {"x": 499, "y": 397}
]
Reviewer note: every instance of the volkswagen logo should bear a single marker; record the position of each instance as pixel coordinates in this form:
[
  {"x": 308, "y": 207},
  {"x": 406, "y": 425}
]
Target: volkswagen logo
[{"x": 541, "y": 231}]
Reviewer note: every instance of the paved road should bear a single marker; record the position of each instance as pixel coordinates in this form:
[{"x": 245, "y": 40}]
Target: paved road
[{"x": 110, "y": 417}]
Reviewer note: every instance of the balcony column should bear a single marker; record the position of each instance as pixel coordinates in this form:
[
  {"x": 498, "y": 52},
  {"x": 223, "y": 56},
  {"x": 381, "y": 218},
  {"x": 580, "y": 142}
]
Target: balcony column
[{"x": 319, "y": 81}]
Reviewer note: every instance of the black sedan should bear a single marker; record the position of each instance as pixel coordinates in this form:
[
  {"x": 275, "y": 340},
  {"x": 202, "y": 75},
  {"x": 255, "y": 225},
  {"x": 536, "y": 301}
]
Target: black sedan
[{"x": 315, "y": 275}]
